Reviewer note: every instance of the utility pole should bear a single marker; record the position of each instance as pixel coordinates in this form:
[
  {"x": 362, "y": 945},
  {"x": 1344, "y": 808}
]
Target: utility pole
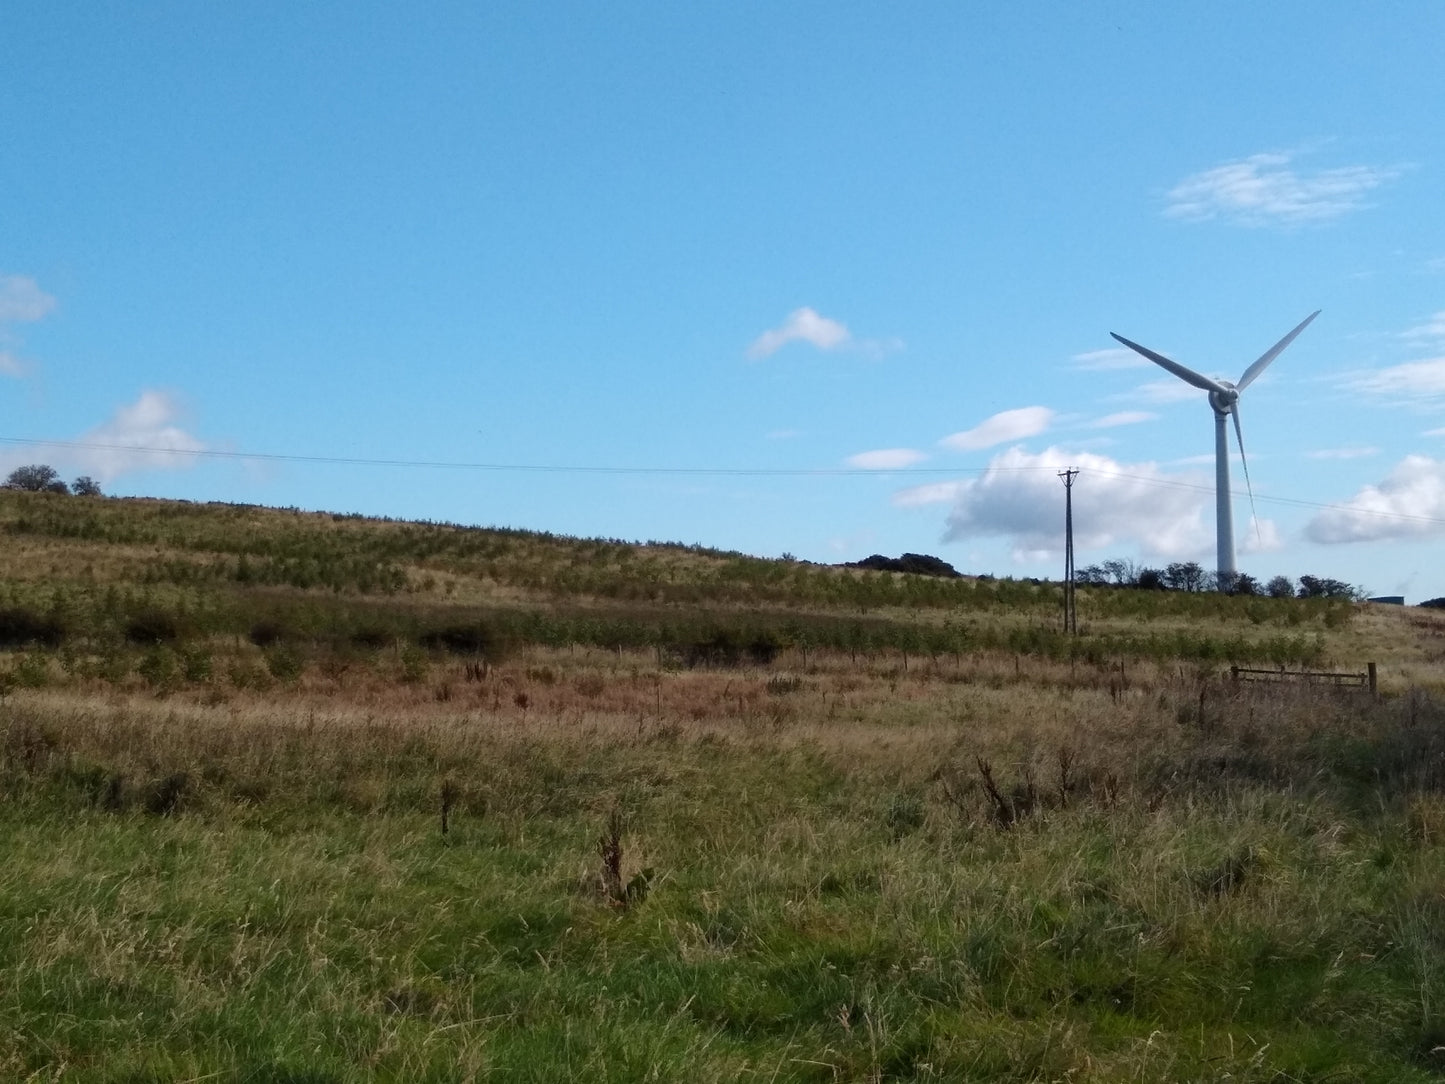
[{"x": 1071, "y": 616}]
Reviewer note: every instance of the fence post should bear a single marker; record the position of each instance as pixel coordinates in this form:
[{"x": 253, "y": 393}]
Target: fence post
[
  {"x": 1372, "y": 678},
  {"x": 1234, "y": 674}
]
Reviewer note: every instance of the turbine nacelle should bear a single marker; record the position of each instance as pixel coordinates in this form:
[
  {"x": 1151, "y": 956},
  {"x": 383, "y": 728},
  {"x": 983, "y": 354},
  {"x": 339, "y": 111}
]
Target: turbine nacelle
[{"x": 1223, "y": 398}]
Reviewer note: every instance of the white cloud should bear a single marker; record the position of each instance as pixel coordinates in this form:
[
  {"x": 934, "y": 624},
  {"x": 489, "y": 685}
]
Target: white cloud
[
  {"x": 1261, "y": 536},
  {"x": 1433, "y": 433},
  {"x": 809, "y": 326},
  {"x": 886, "y": 459},
  {"x": 1103, "y": 360},
  {"x": 1343, "y": 453},
  {"x": 22, "y": 299},
  {"x": 1161, "y": 392},
  {"x": 139, "y": 436},
  {"x": 1432, "y": 330},
  {"x": 1006, "y": 426},
  {"x": 1412, "y": 380},
  {"x": 1020, "y": 497},
  {"x": 1123, "y": 417},
  {"x": 928, "y": 493},
  {"x": 1264, "y": 190},
  {"x": 1408, "y": 503},
  {"x": 802, "y": 325}
]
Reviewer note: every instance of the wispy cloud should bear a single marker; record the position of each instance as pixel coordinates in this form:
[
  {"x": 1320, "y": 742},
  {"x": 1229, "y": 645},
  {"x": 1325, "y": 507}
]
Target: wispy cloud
[
  {"x": 1409, "y": 503},
  {"x": 1412, "y": 380},
  {"x": 1431, "y": 331},
  {"x": 22, "y": 300},
  {"x": 1264, "y": 190},
  {"x": 886, "y": 459},
  {"x": 1123, "y": 417},
  {"x": 1343, "y": 453},
  {"x": 1001, "y": 428},
  {"x": 1161, "y": 392},
  {"x": 1108, "y": 360},
  {"x": 928, "y": 493},
  {"x": 1019, "y": 498},
  {"x": 807, "y": 325}
]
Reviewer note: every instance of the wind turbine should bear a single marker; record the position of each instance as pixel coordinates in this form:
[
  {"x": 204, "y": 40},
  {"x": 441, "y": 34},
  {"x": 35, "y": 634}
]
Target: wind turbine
[{"x": 1224, "y": 399}]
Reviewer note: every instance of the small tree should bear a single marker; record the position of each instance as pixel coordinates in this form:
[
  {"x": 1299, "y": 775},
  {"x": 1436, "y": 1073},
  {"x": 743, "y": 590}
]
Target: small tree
[
  {"x": 1279, "y": 587},
  {"x": 1150, "y": 579},
  {"x": 37, "y": 478},
  {"x": 1124, "y": 573},
  {"x": 1325, "y": 587},
  {"x": 85, "y": 486},
  {"x": 1184, "y": 576},
  {"x": 1244, "y": 584}
]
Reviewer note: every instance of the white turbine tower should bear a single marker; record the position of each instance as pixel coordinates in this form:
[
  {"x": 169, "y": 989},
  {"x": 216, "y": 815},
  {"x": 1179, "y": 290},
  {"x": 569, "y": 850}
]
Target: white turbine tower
[{"x": 1224, "y": 399}]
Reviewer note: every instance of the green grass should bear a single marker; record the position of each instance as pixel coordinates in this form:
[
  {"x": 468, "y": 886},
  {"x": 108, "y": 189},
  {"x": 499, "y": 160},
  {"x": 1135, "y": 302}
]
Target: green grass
[{"x": 1270, "y": 920}]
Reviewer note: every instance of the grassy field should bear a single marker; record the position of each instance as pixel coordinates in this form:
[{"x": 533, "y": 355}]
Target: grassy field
[{"x": 289, "y": 797}]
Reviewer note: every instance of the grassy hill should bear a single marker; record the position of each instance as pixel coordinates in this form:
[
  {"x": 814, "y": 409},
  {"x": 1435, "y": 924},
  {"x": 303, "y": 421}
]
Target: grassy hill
[{"x": 298, "y": 797}]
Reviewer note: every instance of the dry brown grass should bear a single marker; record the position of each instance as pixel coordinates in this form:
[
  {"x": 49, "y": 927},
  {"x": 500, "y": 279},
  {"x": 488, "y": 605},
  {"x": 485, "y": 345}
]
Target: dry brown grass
[{"x": 875, "y": 718}]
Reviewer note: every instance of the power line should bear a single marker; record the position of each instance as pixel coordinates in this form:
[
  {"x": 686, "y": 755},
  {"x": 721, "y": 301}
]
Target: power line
[
  {"x": 534, "y": 468},
  {"x": 754, "y": 472}
]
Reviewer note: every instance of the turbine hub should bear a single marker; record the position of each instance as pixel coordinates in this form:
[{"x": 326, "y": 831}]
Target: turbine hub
[{"x": 1222, "y": 401}]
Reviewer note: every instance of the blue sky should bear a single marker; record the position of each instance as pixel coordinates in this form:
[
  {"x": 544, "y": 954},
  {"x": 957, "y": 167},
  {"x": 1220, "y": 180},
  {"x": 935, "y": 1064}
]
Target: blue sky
[{"x": 827, "y": 279}]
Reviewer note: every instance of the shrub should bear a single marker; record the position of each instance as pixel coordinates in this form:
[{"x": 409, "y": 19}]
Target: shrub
[
  {"x": 21, "y": 627},
  {"x": 372, "y": 637},
  {"x": 414, "y": 664},
  {"x": 464, "y": 639},
  {"x": 285, "y": 663},
  {"x": 196, "y": 664},
  {"x": 32, "y": 671},
  {"x": 245, "y": 675},
  {"x": 161, "y": 669},
  {"x": 152, "y": 626},
  {"x": 763, "y": 648},
  {"x": 267, "y": 632}
]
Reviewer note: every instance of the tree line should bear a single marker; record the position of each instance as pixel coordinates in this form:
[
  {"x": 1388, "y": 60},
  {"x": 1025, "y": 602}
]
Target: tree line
[
  {"x": 43, "y": 478},
  {"x": 1192, "y": 576}
]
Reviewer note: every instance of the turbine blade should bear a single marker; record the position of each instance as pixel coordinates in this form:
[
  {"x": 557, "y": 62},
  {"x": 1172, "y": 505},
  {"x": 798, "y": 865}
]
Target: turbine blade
[
  {"x": 1189, "y": 376},
  {"x": 1263, "y": 363},
  {"x": 1239, "y": 436}
]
